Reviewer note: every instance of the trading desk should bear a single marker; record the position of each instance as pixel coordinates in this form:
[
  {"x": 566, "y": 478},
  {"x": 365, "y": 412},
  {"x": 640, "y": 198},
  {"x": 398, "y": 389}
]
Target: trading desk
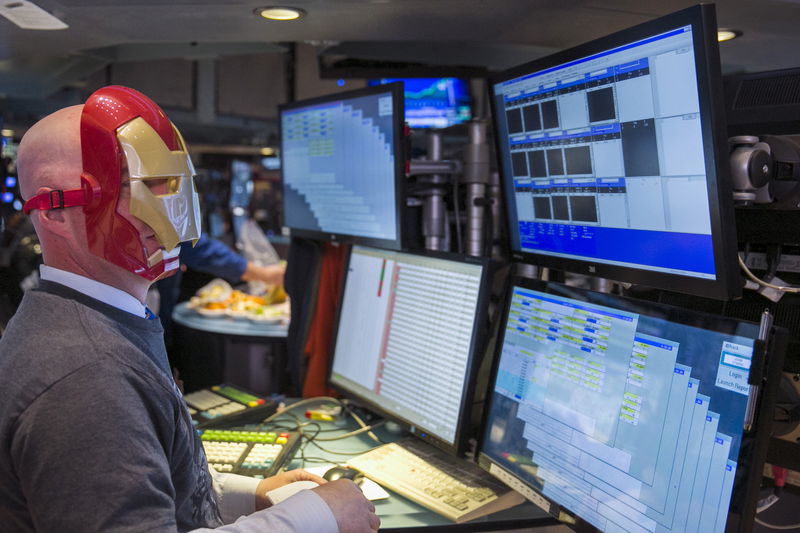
[{"x": 398, "y": 513}]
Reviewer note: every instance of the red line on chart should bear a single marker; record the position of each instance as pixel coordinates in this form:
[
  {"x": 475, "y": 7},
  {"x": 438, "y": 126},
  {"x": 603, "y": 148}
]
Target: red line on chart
[{"x": 380, "y": 283}]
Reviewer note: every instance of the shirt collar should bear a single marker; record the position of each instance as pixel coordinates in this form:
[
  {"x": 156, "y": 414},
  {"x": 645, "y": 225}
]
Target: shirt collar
[{"x": 94, "y": 289}]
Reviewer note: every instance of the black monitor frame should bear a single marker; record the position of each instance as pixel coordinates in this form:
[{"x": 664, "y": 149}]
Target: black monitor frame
[
  {"x": 478, "y": 344},
  {"x": 728, "y": 283},
  {"x": 398, "y": 148},
  {"x": 766, "y": 371}
]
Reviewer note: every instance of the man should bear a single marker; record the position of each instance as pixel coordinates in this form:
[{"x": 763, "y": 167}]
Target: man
[{"x": 95, "y": 435}]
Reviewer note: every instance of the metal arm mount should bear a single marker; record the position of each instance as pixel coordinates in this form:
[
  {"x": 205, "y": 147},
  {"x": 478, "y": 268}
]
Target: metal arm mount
[
  {"x": 482, "y": 192},
  {"x": 433, "y": 171},
  {"x": 421, "y": 167}
]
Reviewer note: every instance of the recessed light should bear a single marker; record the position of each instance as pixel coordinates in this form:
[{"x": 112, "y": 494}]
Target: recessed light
[
  {"x": 280, "y": 12},
  {"x": 29, "y": 16},
  {"x": 727, "y": 35}
]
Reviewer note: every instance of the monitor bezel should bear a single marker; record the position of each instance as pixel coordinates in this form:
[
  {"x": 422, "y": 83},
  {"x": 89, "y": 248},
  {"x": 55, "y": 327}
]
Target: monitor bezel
[
  {"x": 372, "y": 82},
  {"x": 398, "y": 148},
  {"x": 751, "y": 470},
  {"x": 728, "y": 283},
  {"x": 478, "y": 346}
]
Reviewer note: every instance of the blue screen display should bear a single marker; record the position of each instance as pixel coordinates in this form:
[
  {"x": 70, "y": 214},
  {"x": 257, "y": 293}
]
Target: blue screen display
[
  {"x": 621, "y": 414},
  {"x": 434, "y": 102},
  {"x": 339, "y": 165},
  {"x": 604, "y": 159}
]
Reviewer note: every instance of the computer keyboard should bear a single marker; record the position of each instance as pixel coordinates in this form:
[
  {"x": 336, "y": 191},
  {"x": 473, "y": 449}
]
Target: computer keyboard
[
  {"x": 446, "y": 485},
  {"x": 223, "y": 405},
  {"x": 257, "y": 454}
]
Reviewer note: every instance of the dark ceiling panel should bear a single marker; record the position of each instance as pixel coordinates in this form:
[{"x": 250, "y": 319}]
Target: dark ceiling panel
[{"x": 494, "y": 34}]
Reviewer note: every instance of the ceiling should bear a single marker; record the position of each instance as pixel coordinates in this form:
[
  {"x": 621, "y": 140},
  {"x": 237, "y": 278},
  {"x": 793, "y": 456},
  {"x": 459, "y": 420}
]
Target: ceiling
[{"x": 479, "y": 33}]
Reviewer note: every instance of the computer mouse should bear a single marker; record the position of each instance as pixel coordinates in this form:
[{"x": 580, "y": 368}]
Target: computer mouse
[{"x": 339, "y": 472}]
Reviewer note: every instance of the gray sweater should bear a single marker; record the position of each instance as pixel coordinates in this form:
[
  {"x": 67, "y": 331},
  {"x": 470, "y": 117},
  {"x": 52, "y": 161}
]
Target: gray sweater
[{"x": 94, "y": 435}]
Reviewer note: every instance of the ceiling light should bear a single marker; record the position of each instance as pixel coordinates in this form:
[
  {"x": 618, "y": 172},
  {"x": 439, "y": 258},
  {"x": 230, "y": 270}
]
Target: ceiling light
[
  {"x": 267, "y": 151},
  {"x": 280, "y": 12},
  {"x": 727, "y": 35},
  {"x": 29, "y": 16},
  {"x": 6, "y": 133}
]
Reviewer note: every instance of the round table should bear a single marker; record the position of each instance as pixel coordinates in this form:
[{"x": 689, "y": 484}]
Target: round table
[
  {"x": 226, "y": 325},
  {"x": 240, "y": 352}
]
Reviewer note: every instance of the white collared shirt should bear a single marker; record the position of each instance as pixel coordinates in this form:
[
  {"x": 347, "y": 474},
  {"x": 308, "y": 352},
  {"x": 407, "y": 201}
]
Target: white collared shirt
[{"x": 94, "y": 289}]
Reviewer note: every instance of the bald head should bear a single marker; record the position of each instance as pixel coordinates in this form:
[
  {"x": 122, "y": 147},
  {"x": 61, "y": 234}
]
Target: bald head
[
  {"x": 49, "y": 154},
  {"x": 92, "y": 218}
]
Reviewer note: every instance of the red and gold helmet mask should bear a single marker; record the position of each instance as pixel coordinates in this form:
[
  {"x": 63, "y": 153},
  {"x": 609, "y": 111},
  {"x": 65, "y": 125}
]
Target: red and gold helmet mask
[{"x": 122, "y": 129}]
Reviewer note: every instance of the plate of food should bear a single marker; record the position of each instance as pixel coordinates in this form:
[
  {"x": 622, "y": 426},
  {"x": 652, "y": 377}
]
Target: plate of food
[
  {"x": 218, "y": 299},
  {"x": 216, "y": 291},
  {"x": 212, "y": 309},
  {"x": 270, "y": 314}
]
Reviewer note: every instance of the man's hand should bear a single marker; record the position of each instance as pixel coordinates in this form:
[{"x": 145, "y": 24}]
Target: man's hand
[
  {"x": 354, "y": 513},
  {"x": 270, "y": 274},
  {"x": 284, "y": 478}
]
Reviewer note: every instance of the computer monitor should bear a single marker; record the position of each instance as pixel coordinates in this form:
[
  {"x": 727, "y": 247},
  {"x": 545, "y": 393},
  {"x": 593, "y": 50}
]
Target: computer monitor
[
  {"x": 613, "y": 158},
  {"x": 409, "y": 339},
  {"x": 434, "y": 102},
  {"x": 343, "y": 166},
  {"x": 628, "y": 415}
]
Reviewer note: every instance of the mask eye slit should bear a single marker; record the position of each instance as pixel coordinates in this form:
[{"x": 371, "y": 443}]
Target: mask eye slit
[{"x": 163, "y": 186}]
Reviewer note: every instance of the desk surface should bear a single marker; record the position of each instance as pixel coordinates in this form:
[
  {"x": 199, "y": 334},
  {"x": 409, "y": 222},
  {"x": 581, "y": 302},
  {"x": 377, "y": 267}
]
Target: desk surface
[
  {"x": 226, "y": 325},
  {"x": 398, "y": 513}
]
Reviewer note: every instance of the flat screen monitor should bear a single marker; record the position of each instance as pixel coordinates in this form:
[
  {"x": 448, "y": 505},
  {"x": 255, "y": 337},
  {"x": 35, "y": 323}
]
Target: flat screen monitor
[
  {"x": 409, "y": 339},
  {"x": 628, "y": 415},
  {"x": 613, "y": 158},
  {"x": 342, "y": 166},
  {"x": 434, "y": 102}
]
